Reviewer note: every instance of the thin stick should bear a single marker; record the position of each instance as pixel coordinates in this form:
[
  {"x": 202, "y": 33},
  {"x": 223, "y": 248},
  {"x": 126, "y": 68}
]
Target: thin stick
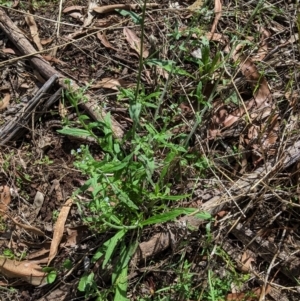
[{"x": 59, "y": 18}]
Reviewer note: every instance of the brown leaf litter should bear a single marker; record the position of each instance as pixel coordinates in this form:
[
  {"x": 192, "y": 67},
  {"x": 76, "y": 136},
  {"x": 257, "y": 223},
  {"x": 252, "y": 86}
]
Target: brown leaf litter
[
  {"x": 135, "y": 42},
  {"x": 109, "y": 8},
  {"x": 112, "y": 83},
  {"x": 34, "y": 31},
  {"x": 26, "y": 270},
  {"x": 59, "y": 229}
]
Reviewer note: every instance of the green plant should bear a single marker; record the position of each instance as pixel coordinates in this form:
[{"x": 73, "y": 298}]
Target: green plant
[
  {"x": 127, "y": 194},
  {"x": 8, "y": 254},
  {"x": 131, "y": 186},
  {"x": 6, "y": 3},
  {"x": 11, "y": 255},
  {"x": 51, "y": 274},
  {"x": 55, "y": 214},
  {"x": 3, "y": 224},
  {"x": 44, "y": 161},
  {"x": 217, "y": 287},
  {"x": 182, "y": 289}
]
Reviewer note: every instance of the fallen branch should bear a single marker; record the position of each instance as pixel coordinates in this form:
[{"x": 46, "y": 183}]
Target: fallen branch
[
  {"x": 46, "y": 70},
  {"x": 16, "y": 126}
]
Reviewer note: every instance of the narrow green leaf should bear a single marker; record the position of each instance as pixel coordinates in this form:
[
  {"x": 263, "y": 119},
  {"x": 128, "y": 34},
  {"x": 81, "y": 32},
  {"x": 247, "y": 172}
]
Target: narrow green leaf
[
  {"x": 169, "y": 66},
  {"x": 164, "y": 217},
  {"x": 134, "y": 17},
  {"x": 111, "y": 245},
  {"x": 124, "y": 198},
  {"x": 113, "y": 166},
  {"x": 74, "y": 132},
  {"x": 161, "y": 218},
  {"x": 119, "y": 275},
  {"x": 121, "y": 286},
  {"x": 169, "y": 197}
]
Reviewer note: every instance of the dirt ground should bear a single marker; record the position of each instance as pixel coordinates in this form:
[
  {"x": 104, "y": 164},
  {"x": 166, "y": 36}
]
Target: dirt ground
[{"x": 248, "y": 129}]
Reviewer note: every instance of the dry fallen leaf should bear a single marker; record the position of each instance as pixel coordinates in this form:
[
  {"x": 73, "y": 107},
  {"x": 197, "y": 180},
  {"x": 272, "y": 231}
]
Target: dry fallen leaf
[
  {"x": 103, "y": 39},
  {"x": 77, "y": 16},
  {"x": 58, "y": 294},
  {"x": 4, "y": 102},
  {"x": 15, "y": 4},
  {"x": 262, "y": 94},
  {"x": 46, "y": 41},
  {"x": 218, "y": 14},
  {"x": 253, "y": 295},
  {"x": 5, "y": 199},
  {"x": 90, "y": 14},
  {"x": 112, "y": 83},
  {"x": 108, "y": 8},
  {"x": 73, "y": 8},
  {"x": 135, "y": 42},
  {"x": 59, "y": 229},
  {"x": 246, "y": 262},
  {"x": 50, "y": 58},
  {"x": 263, "y": 45},
  {"x": 29, "y": 228},
  {"x": 217, "y": 37},
  {"x": 56, "y": 184},
  {"x": 26, "y": 270},
  {"x": 8, "y": 50},
  {"x": 38, "y": 254},
  {"x": 63, "y": 111},
  {"x": 34, "y": 31}
]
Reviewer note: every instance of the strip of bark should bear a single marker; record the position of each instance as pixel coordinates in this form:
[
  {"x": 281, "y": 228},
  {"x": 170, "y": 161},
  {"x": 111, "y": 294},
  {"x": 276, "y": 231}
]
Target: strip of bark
[
  {"x": 46, "y": 70},
  {"x": 14, "y": 128}
]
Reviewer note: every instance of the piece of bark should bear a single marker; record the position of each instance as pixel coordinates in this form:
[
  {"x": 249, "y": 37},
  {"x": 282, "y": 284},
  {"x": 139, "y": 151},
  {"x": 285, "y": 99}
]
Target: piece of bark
[
  {"x": 46, "y": 70},
  {"x": 15, "y": 128}
]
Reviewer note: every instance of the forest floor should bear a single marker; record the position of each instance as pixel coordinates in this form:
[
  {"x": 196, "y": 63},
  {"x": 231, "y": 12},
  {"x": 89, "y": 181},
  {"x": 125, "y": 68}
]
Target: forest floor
[{"x": 149, "y": 151}]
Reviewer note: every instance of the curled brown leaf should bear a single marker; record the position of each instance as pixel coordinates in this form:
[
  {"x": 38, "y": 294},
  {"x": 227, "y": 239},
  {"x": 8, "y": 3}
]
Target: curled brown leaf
[
  {"x": 5, "y": 199},
  {"x": 112, "y": 83},
  {"x": 34, "y": 31},
  {"x": 73, "y": 8},
  {"x": 59, "y": 229},
  {"x": 135, "y": 42},
  {"x": 4, "y": 102},
  {"x": 26, "y": 270},
  {"x": 103, "y": 39},
  {"x": 218, "y": 14},
  {"x": 109, "y": 8}
]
